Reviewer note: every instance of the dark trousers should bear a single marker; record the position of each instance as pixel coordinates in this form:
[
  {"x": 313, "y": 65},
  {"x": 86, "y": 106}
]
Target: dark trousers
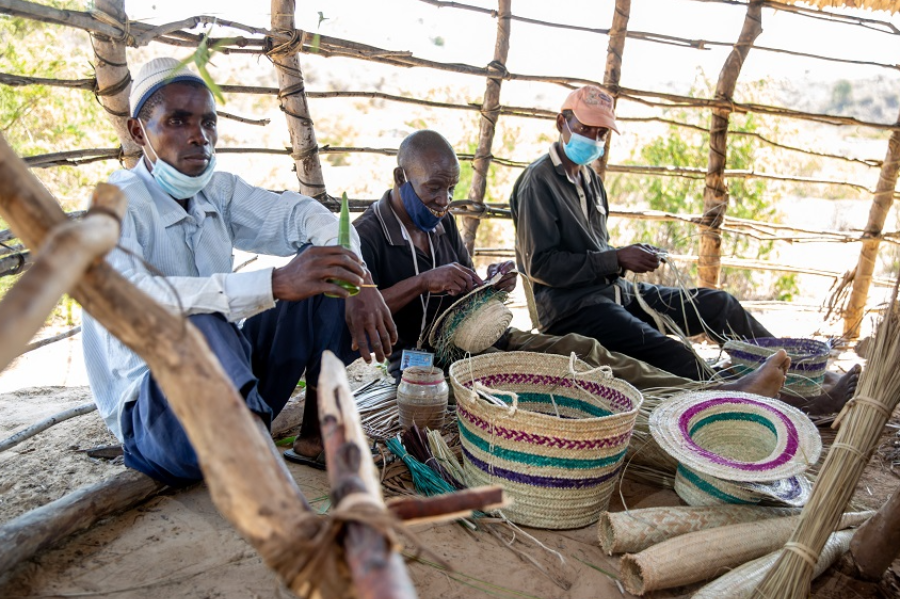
[
  {"x": 630, "y": 330},
  {"x": 264, "y": 360}
]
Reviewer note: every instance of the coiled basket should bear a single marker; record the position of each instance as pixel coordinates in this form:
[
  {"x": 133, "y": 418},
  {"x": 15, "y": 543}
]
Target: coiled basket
[
  {"x": 550, "y": 429},
  {"x": 809, "y": 360}
]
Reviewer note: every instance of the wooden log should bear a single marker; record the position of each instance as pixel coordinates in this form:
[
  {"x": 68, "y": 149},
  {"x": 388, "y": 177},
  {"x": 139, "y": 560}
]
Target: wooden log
[
  {"x": 47, "y": 423},
  {"x": 868, "y": 255},
  {"x": 42, "y": 528},
  {"x": 69, "y": 250},
  {"x": 292, "y": 95},
  {"x": 50, "y": 340},
  {"x": 378, "y": 571},
  {"x": 250, "y": 487},
  {"x": 490, "y": 112},
  {"x": 447, "y": 507},
  {"x": 876, "y": 544},
  {"x": 113, "y": 77},
  {"x": 715, "y": 196},
  {"x": 614, "y": 52}
]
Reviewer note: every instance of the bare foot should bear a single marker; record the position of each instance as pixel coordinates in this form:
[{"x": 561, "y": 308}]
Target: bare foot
[
  {"x": 309, "y": 448},
  {"x": 309, "y": 441},
  {"x": 832, "y": 398},
  {"x": 766, "y": 380}
]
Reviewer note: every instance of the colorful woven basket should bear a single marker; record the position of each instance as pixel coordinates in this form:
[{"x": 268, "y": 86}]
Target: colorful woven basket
[
  {"x": 809, "y": 359},
  {"x": 548, "y": 428}
]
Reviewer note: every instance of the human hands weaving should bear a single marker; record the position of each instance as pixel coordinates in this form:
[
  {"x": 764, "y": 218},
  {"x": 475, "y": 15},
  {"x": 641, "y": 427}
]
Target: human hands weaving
[
  {"x": 507, "y": 283},
  {"x": 639, "y": 258},
  {"x": 370, "y": 323},
  {"x": 452, "y": 278}
]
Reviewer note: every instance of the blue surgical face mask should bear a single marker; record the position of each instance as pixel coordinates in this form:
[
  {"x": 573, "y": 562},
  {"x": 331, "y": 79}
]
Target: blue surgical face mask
[
  {"x": 416, "y": 209},
  {"x": 174, "y": 182},
  {"x": 582, "y": 150}
]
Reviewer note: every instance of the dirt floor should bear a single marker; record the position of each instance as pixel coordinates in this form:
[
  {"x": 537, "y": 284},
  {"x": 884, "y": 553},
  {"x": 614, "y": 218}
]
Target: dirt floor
[{"x": 177, "y": 544}]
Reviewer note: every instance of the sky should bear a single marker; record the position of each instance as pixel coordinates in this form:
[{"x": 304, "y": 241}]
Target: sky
[{"x": 468, "y": 37}]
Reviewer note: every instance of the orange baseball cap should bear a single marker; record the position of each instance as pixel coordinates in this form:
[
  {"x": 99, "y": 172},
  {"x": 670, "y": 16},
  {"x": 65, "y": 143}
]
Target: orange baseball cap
[{"x": 592, "y": 107}]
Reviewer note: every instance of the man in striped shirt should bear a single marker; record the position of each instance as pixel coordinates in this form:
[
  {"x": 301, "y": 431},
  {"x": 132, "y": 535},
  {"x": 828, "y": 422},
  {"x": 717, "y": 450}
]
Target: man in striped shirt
[{"x": 183, "y": 222}]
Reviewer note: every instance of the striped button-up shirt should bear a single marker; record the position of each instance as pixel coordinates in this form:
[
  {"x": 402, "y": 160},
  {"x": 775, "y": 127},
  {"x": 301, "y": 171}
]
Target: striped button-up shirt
[{"x": 193, "y": 249}]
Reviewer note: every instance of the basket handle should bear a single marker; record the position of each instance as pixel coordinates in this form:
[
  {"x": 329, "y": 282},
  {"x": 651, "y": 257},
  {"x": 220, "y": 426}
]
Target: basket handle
[
  {"x": 489, "y": 395},
  {"x": 602, "y": 369}
]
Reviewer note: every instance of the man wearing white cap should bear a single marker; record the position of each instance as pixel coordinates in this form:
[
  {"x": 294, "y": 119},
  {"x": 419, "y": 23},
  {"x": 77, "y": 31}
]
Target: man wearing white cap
[
  {"x": 183, "y": 222},
  {"x": 560, "y": 211}
]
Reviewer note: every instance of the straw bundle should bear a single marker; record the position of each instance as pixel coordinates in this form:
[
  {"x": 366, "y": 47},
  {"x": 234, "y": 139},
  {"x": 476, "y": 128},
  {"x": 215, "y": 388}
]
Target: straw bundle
[
  {"x": 701, "y": 555},
  {"x": 635, "y": 530},
  {"x": 864, "y": 418},
  {"x": 741, "y": 582}
]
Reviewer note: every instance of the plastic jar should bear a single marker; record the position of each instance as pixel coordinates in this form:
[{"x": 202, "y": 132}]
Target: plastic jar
[{"x": 422, "y": 398}]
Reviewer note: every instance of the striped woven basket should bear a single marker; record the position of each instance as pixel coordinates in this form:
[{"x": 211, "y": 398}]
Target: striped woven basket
[
  {"x": 809, "y": 359},
  {"x": 548, "y": 428}
]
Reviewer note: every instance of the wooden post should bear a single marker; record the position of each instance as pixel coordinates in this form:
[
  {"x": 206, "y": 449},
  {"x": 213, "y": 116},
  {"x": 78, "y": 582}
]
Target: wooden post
[
  {"x": 378, "y": 570},
  {"x": 113, "y": 77},
  {"x": 865, "y": 267},
  {"x": 490, "y": 112},
  {"x": 614, "y": 52},
  {"x": 876, "y": 544},
  {"x": 249, "y": 485},
  {"x": 715, "y": 197},
  {"x": 44, "y": 527},
  {"x": 292, "y": 95},
  {"x": 68, "y": 251}
]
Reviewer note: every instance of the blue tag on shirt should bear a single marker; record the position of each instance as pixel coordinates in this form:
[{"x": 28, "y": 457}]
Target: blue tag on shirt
[{"x": 416, "y": 358}]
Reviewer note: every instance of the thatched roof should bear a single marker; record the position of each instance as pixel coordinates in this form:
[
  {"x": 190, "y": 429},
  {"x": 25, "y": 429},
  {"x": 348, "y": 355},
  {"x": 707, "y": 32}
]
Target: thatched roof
[{"x": 892, "y": 6}]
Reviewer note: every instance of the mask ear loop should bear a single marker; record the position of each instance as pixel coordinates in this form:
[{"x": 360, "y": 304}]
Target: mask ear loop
[{"x": 148, "y": 144}]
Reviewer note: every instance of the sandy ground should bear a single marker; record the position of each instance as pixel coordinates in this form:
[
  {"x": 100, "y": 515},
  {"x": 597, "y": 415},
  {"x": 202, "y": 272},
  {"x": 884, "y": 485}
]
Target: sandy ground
[{"x": 177, "y": 545}]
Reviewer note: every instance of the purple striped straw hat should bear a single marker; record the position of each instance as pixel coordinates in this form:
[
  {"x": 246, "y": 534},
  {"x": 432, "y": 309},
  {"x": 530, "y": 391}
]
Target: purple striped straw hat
[{"x": 736, "y": 436}]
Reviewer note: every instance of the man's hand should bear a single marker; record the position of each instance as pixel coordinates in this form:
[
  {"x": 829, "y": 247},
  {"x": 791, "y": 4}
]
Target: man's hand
[
  {"x": 454, "y": 279},
  {"x": 639, "y": 258},
  {"x": 506, "y": 283},
  {"x": 370, "y": 323},
  {"x": 309, "y": 272}
]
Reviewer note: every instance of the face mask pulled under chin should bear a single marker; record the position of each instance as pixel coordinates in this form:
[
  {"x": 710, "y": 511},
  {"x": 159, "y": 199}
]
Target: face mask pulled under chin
[
  {"x": 174, "y": 182},
  {"x": 416, "y": 209}
]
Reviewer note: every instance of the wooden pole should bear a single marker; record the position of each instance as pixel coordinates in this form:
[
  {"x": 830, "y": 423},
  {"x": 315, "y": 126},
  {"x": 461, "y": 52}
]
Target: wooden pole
[
  {"x": 47, "y": 423},
  {"x": 378, "y": 570},
  {"x": 249, "y": 485},
  {"x": 70, "y": 248},
  {"x": 44, "y": 527},
  {"x": 614, "y": 52},
  {"x": 490, "y": 111},
  {"x": 876, "y": 544},
  {"x": 868, "y": 255},
  {"x": 292, "y": 95},
  {"x": 715, "y": 196},
  {"x": 113, "y": 77}
]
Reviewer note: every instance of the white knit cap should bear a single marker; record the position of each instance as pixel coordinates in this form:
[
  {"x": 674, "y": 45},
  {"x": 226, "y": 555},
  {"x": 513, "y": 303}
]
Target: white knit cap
[{"x": 154, "y": 75}]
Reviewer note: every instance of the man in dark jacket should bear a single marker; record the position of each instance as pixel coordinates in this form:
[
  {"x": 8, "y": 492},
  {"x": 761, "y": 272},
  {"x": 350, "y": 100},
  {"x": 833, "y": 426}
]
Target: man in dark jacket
[{"x": 560, "y": 211}]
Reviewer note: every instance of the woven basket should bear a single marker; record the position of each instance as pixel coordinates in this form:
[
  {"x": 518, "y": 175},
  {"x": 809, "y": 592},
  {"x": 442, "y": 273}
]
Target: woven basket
[
  {"x": 636, "y": 530},
  {"x": 701, "y": 555},
  {"x": 742, "y": 581},
  {"x": 809, "y": 359},
  {"x": 548, "y": 428}
]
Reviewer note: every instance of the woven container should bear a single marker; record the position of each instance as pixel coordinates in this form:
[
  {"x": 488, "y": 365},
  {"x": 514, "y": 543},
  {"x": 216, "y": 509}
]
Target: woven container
[
  {"x": 742, "y": 581},
  {"x": 422, "y": 398},
  {"x": 698, "y": 489},
  {"x": 549, "y": 429},
  {"x": 809, "y": 359},
  {"x": 636, "y": 530}
]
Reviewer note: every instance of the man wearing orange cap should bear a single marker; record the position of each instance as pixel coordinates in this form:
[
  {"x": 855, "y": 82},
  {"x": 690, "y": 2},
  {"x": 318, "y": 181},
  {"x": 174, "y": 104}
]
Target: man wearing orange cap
[{"x": 560, "y": 210}]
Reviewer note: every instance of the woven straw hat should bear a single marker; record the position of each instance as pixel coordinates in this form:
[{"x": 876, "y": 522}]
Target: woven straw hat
[
  {"x": 736, "y": 436},
  {"x": 154, "y": 75},
  {"x": 480, "y": 329},
  {"x": 698, "y": 489}
]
